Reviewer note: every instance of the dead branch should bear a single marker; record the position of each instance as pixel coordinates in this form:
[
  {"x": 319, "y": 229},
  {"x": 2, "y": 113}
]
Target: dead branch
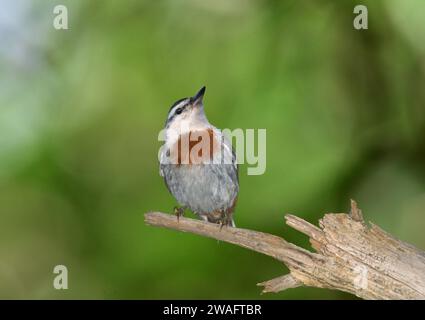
[{"x": 350, "y": 255}]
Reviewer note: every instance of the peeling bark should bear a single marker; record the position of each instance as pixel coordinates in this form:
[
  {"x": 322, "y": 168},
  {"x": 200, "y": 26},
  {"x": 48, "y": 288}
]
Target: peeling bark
[{"x": 350, "y": 255}]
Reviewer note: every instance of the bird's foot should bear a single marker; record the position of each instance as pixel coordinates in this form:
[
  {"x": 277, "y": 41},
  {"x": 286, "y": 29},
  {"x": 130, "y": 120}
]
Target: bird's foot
[
  {"x": 179, "y": 212},
  {"x": 226, "y": 220}
]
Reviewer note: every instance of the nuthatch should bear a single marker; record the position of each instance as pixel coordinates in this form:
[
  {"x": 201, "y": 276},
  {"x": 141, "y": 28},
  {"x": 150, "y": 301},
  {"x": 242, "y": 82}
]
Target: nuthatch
[{"x": 198, "y": 163}]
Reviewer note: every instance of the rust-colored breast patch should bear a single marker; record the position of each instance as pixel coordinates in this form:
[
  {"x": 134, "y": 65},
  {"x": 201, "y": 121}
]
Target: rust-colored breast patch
[{"x": 195, "y": 147}]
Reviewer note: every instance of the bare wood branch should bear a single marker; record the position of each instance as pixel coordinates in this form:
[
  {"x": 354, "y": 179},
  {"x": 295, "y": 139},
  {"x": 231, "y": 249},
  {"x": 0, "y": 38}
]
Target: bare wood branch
[
  {"x": 351, "y": 256},
  {"x": 355, "y": 212},
  {"x": 279, "y": 284},
  {"x": 304, "y": 227}
]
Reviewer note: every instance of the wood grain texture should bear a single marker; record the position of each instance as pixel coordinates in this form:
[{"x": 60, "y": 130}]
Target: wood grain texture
[{"x": 350, "y": 255}]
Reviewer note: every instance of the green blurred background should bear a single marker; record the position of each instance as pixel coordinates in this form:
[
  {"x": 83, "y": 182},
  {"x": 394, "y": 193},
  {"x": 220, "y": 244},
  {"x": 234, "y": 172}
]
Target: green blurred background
[{"x": 81, "y": 109}]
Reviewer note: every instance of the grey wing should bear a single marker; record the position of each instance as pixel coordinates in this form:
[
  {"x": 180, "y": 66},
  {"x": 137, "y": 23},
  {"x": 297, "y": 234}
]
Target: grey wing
[
  {"x": 230, "y": 158},
  {"x": 164, "y": 165},
  {"x": 163, "y": 159},
  {"x": 235, "y": 164}
]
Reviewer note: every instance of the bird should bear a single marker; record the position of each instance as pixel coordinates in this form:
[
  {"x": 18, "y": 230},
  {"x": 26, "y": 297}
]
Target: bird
[{"x": 198, "y": 163}]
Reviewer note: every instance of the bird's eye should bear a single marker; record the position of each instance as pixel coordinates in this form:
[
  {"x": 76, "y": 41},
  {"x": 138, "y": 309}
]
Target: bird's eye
[{"x": 179, "y": 110}]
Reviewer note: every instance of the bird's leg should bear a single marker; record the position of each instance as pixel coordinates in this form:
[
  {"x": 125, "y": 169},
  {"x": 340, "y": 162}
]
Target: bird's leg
[
  {"x": 179, "y": 211},
  {"x": 224, "y": 221}
]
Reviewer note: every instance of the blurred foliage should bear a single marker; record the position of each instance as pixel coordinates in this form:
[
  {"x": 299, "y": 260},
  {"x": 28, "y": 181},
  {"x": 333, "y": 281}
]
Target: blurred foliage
[{"x": 81, "y": 109}]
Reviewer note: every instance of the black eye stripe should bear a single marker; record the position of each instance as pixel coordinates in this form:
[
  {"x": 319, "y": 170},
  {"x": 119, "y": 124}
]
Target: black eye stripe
[
  {"x": 173, "y": 113},
  {"x": 178, "y": 110},
  {"x": 176, "y": 103}
]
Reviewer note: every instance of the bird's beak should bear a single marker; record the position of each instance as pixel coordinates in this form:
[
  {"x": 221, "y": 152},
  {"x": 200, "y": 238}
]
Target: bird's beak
[{"x": 197, "y": 98}]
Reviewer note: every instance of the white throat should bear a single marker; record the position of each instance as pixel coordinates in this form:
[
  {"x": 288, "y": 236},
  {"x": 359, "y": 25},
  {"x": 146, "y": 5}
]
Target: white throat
[{"x": 195, "y": 121}]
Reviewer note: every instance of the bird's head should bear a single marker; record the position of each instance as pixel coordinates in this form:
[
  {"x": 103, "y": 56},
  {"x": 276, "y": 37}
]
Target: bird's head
[{"x": 188, "y": 114}]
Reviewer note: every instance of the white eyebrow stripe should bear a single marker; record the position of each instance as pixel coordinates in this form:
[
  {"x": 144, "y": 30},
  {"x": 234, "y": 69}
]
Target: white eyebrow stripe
[{"x": 176, "y": 107}]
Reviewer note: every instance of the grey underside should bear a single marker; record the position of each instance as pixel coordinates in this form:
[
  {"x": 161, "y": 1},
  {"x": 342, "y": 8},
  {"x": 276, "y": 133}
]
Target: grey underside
[{"x": 203, "y": 188}]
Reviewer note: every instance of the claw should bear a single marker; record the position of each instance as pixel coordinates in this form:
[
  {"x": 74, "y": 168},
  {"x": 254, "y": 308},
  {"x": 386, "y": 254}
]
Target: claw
[
  {"x": 223, "y": 222},
  {"x": 178, "y": 212}
]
